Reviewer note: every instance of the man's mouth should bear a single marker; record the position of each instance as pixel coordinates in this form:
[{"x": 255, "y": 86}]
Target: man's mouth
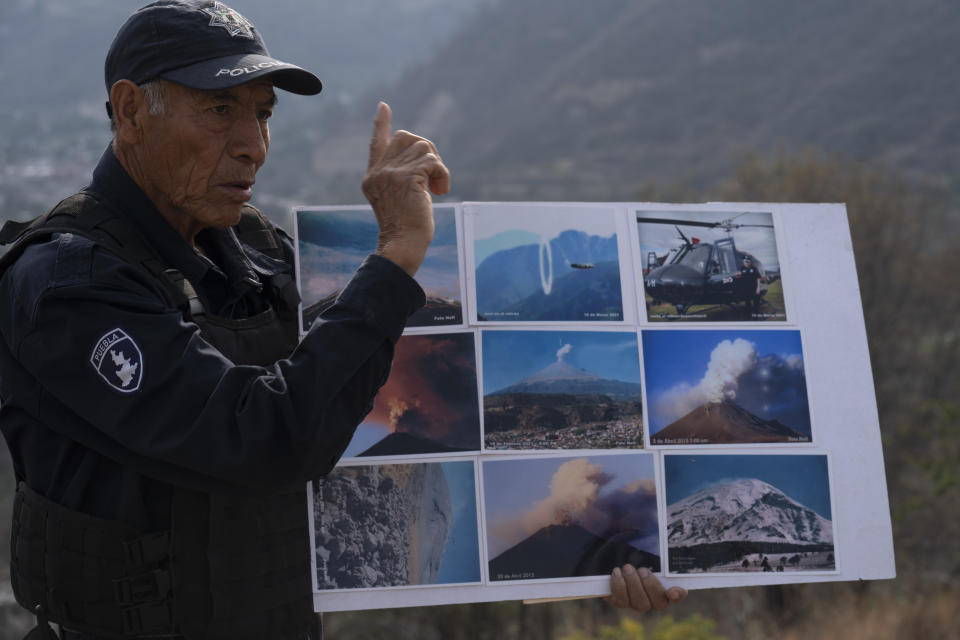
[{"x": 242, "y": 189}]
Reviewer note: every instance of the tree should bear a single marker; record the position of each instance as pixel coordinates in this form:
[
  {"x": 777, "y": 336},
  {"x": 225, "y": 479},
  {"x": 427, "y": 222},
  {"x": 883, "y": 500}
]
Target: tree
[{"x": 695, "y": 627}]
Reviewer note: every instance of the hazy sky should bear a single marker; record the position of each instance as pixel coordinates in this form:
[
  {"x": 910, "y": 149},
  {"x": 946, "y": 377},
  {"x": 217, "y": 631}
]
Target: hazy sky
[
  {"x": 802, "y": 477},
  {"x": 461, "y": 556},
  {"x": 511, "y": 225}
]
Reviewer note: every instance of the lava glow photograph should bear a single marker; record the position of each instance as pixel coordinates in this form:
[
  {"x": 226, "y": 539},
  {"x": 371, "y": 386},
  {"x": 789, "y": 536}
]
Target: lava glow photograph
[
  {"x": 332, "y": 243},
  {"x": 725, "y": 387},
  {"x": 561, "y": 390},
  {"x": 429, "y": 404},
  {"x": 396, "y": 525},
  {"x": 693, "y": 266},
  {"x": 546, "y": 264},
  {"x": 748, "y": 513},
  {"x": 567, "y": 517}
]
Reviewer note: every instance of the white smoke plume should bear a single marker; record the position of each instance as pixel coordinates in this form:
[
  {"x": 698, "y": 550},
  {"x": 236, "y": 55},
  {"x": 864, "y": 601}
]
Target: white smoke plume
[
  {"x": 564, "y": 350},
  {"x": 794, "y": 361},
  {"x": 728, "y": 361}
]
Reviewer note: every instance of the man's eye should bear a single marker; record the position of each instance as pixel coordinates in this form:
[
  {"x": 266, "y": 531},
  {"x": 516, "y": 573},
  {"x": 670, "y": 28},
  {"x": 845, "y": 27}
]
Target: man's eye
[
  {"x": 221, "y": 109},
  {"x": 264, "y": 114}
]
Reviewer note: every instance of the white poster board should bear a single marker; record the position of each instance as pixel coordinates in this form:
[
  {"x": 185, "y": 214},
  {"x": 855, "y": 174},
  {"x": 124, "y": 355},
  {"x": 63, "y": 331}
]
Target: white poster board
[{"x": 596, "y": 383}]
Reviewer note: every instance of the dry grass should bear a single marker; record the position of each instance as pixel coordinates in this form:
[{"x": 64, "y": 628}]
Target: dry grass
[{"x": 880, "y": 616}]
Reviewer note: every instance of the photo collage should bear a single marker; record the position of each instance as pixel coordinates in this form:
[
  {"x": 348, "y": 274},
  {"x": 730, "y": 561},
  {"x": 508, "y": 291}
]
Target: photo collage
[{"x": 588, "y": 385}]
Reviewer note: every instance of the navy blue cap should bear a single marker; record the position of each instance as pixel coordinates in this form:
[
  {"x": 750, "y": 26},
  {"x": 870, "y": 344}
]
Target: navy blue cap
[{"x": 202, "y": 44}]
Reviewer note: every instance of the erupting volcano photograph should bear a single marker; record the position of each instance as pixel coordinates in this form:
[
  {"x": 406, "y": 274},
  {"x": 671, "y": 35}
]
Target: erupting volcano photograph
[
  {"x": 429, "y": 403},
  {"x": 567, "y": 517},
  {"x": 725, "y": 387},
  {"x": 561, "y": 390}
]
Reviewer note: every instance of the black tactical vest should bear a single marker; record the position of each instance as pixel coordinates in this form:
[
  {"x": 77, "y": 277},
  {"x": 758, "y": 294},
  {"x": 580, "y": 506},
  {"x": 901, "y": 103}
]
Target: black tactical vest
[{"x": 233, "y": 566}]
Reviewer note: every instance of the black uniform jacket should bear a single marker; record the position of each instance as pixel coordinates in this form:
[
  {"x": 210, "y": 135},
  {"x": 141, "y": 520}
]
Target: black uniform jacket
[{"x": 109, "y": 396}]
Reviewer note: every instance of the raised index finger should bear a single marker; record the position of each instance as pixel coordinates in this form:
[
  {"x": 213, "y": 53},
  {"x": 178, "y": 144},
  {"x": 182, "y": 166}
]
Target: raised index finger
[{"x": 381, "y": 134}]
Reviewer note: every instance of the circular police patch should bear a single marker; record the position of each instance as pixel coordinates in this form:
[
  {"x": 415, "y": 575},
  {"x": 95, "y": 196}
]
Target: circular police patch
[{"x": 118, "y": 360}]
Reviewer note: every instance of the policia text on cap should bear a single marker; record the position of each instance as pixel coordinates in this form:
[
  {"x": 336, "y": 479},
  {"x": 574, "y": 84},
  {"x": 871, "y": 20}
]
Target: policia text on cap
[{"x": 162, "y": 416}]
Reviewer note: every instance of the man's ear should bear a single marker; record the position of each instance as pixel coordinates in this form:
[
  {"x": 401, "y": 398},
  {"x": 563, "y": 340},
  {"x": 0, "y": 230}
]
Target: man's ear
[{"x": 129, "y": 107}]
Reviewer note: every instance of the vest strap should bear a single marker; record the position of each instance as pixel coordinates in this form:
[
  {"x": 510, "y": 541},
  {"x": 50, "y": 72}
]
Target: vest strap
[
  {"x": 91, "y": 575},
  {"x": 11, "y": 230}
]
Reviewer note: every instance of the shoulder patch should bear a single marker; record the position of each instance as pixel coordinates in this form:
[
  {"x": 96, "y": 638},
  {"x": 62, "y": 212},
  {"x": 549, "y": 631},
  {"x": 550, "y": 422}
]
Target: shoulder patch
[{"x": 118, "y": 360}]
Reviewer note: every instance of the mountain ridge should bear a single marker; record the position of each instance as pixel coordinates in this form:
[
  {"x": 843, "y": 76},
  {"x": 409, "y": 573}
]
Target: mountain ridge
[
  {"x": 745, "y": 509},
  {"x": 568, "y": 550},
  {"x": 725, "y": 422},
  {"x": 561, "y": 377},
  {"x": 658, "y": 91}
]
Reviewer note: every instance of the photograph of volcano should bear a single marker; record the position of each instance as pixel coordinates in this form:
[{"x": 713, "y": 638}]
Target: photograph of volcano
[
  {"x": 396, "y": 525},
  {"x": 693, "y": 266},
  {"x": 725, "y": 387},
  {"x": 429, "y": 403},
  {"x": 332, "y": 243},
  {"x": 567, "y": 517},
  {"x": 534, "y": 263},
  {"x": 561, "y": 390},
  {"x": 748, "y": 513}
]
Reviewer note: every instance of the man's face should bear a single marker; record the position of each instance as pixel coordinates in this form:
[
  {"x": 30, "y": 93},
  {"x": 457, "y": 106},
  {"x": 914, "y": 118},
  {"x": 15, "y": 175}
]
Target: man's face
[{"x": 199, "y": 158}]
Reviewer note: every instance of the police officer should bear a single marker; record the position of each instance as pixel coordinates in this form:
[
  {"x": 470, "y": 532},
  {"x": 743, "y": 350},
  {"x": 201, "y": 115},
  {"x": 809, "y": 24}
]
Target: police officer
[
  {"x": 162, "y": 416},
  {"x": 749, "y": 285}
]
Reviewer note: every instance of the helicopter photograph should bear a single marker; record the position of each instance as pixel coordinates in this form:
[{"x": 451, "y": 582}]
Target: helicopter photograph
[{"x": 710, "y": 266}]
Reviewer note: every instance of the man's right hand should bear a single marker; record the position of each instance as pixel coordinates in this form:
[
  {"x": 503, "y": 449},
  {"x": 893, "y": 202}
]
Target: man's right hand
[{"x": 403, "y": 170}]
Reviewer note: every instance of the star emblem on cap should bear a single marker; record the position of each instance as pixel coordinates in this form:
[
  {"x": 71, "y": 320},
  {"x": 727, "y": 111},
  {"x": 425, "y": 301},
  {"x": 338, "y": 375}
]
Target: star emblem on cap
[{"x": 223, "y": 16}]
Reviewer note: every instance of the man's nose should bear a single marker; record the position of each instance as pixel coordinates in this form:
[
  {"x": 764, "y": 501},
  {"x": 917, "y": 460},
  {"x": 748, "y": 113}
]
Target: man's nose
[{"x": 251, "y": 140}]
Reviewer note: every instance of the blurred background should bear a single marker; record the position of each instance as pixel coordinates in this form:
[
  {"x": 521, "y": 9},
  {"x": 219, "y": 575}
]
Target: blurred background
[{"x": 772, "y": 100}]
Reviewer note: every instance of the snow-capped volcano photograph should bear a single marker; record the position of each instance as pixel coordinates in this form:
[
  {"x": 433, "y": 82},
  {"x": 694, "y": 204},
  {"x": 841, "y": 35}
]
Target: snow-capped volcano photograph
[
  {"x": 748, "y": 513},
  {"x": 725, "y": 387},
  {"x": 561, "y": 390}
]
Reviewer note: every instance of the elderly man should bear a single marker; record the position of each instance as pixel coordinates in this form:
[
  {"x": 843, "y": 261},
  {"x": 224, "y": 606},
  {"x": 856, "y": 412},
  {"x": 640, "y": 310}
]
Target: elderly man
[{"x": 162, "y": 416}]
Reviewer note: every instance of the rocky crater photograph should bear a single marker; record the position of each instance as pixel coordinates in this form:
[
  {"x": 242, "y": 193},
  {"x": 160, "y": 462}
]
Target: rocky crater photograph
[{"x": 396, "y": 525}]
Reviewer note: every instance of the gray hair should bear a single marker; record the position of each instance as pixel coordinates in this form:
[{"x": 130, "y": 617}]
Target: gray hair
[{"x": 154, "y": 94}]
